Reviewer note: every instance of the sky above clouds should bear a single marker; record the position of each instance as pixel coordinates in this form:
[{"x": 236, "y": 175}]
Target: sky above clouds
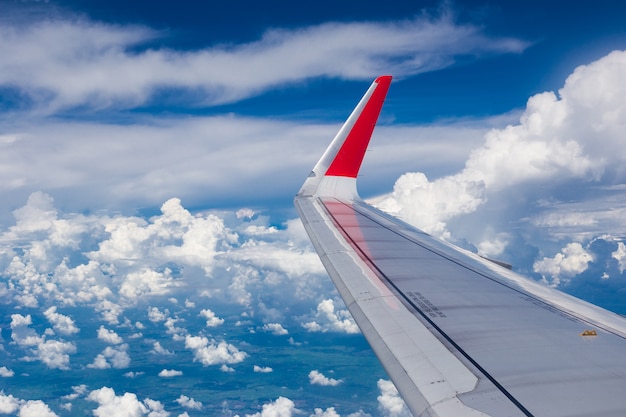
[{"x": 151, "y": 262}]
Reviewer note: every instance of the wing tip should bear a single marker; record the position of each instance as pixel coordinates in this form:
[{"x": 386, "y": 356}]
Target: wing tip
[
  {"x": 342, "y": 160},
  {"x": 383, "y": 79}
]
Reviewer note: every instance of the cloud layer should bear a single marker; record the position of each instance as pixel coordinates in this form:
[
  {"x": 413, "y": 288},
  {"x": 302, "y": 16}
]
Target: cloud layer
[{"x": 76, "y": 62}]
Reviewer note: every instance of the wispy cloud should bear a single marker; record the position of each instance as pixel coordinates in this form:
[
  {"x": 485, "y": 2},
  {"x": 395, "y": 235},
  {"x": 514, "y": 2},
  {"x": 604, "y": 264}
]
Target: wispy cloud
[{"x": 76, "y": 62}]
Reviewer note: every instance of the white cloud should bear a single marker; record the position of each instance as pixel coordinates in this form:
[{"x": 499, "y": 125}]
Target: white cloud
[
  {"x": 109, "y": 311},
  {"x": 109, "y": 336},
  {"x": 282, "y": 407},
  {"x": 329, "y": 412},
  {"x": 155, "y": 315},
  {"x": 211, "y": 319},
  {"x": 111, "y": 405},
  {"x": 178, "y": 333},
  {"x": 36, "y": 408},
  {"x": 189, "y": 403},
  {"x": 213, "y": 353},
  {"x": 317, "y": 378},
  {"x": 18, "y": 320},
  {"x": 78, "y": 391},
  {"x": 8, "y": 403},
  {"x": 78, "y": 62},
  {"x": 61, "y": 323},
  {"x": 169, "y": 373},
  {"x": 493, "y": 247},
  {"x": 176, "y": 235},
  {"x": 112, "y": 357},
  {"x": 569, "y": 138},
  {"x": 155, "y": 408},
  {"x": 21, "y": 333},
  {"x": 620, "y": 255},
  {"x": 276, "y": 329},
  {"x": 126, "y": 405},
  {"x": 6, "y": 372},
  {"x": 389, "y": 401},
  {"x": 160, "y": 350},
  {"x": 55, "y": 354},
  {"x": 262, "y": 369},
  {"x": 226, "y": 368},
  {"x": 327, "y": 319},
  {"x": 573, "y": 260}
]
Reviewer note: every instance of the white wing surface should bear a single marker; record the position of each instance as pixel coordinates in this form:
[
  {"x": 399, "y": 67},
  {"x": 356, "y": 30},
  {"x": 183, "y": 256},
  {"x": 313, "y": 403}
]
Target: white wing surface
[{"x": 458, "y": 335}]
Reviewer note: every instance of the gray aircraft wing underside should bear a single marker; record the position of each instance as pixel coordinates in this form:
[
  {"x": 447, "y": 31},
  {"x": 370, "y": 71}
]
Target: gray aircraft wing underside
[{"x": 457, "y": 334}]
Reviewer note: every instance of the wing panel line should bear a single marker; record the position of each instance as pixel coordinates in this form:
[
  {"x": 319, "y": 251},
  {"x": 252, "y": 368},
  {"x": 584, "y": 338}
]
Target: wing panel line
[{"x": 381, "y": 274}]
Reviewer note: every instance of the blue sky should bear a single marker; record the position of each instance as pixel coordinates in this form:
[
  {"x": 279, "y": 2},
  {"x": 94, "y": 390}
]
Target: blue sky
[{"x": 150, "y": 255}]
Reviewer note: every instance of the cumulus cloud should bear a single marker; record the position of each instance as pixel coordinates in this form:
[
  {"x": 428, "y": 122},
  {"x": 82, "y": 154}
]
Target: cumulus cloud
[
  {"x": 620, "y": 255},
  {"x": 567, "y": 138},
  {"x": 211, "y": 319},
  {"x": 6, "y": 372},
  {"x": 213, "y": 353},
  {"x": 282, "y": 407},
  {"x": 276, "y": 329},
  {"x": 55, "y": 354},
  {"x": 189, "y": 403},
  {"x": 572, "y": 261},
  {"x": 111, "y": 405},
  {"x": 36, "y": 408},
  {"x": 160, "y": 350},
  {"x": 112, "y": 357},
  {"x": 389, "y": 401},
  {"x": 126, "y": 405},
  {"x": 21, "y": 333},
  {"x": 25, "y": 408},
  {"x": 132, "y": 259},
  {"x": 327, "y": 319},
  {"x": 155, "y": 315},
  {"x": 169, "y": 373},
  {"x": 262, "y": 369},
  {"x": 78, "y": 391},
  {"x": 176, "y": 235},
  {"x": 8, "y": 403},
  {"x": 329, "y": 412},
  {"x": 61, "y": 323},
  {"x": 109, "y": 336},
  {"x": 317, "y": 378}
]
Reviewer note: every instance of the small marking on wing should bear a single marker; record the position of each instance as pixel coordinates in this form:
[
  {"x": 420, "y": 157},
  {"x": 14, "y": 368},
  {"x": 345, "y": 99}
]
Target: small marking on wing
[{"x": 425, "y": 304}]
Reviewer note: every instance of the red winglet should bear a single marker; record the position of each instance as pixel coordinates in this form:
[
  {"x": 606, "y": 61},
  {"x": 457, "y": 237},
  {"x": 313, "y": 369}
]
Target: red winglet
[{"x": 348, "y": 160}]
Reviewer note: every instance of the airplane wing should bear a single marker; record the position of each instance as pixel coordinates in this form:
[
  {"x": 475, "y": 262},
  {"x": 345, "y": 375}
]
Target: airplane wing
[{"x": 458, "y": 335}]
